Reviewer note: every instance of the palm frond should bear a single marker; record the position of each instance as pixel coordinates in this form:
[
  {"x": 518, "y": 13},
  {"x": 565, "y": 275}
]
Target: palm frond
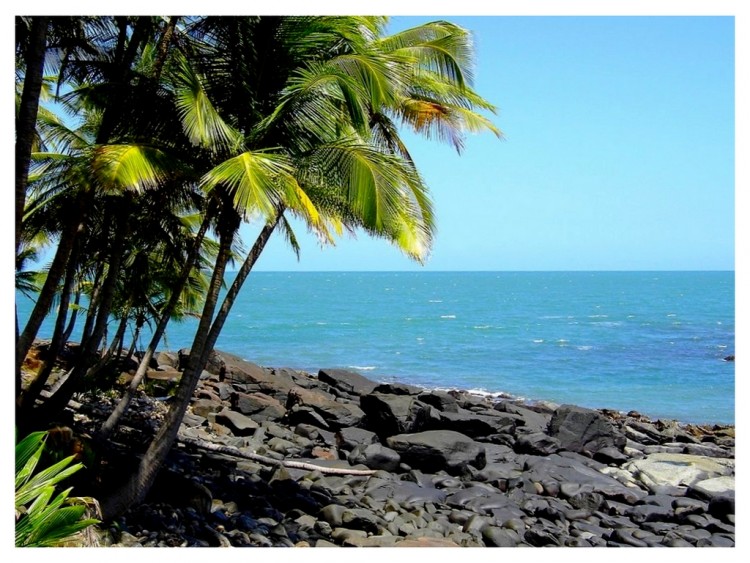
[
  {"x": 130, "y": 167},
  {"x": 200, "y": 120},
  {"x": 253, "y": 179}
]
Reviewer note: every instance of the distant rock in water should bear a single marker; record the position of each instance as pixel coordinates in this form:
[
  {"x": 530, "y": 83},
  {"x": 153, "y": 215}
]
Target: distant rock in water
[{"x": 729, "y": 358}]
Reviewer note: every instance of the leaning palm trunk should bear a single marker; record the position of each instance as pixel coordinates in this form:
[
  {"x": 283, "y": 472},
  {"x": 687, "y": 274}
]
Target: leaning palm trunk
[
  {"x": 139, "y": 484},
  {"x": 111, "y": 423},
  {"x": 29, "y": 396},
  {"x": 55, "y": 404},
  {"x": 54, "y": 275},
  {"x": 73, "y": 317},
  {"x": 136, "y": 335},
  {"x": 27, "y": 113}
]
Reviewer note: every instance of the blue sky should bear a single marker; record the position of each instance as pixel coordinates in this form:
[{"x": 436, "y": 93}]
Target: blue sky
[{"x": 618, "y": 153}]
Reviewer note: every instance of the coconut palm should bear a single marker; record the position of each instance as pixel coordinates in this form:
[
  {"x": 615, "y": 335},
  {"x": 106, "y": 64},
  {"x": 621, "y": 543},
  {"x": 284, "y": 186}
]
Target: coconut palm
[
  {"x": 308, "y": 129},
  {"x": 117, "y": 69}
]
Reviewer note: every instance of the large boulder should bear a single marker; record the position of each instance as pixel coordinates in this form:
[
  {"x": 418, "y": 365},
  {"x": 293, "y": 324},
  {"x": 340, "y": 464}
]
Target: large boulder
[
  {"x": 466, "y": 422},
  {"x": 441, "y": 400},
  {"x": 387, "y": 414},
  {"x": 258, "y": 405},
  {"x": 349, "y": 438},
  {"x": 375, "y": 456},
  {"x": 584, "y": 430},
  {"x": 336, "y": 414},
  {"x": 246, "y": 375},
  {"x": 576, "y": 473},
  {"x": 531, "y": 421},
  {"x": 347, "y": 381},
  {"x": 437, "y": 450},
  {"x": 238, "y": 423}
]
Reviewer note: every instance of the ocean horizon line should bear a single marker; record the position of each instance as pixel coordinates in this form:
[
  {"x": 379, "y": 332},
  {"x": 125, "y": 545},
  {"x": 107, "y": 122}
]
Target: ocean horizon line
[{"x": 553, "y": 271}]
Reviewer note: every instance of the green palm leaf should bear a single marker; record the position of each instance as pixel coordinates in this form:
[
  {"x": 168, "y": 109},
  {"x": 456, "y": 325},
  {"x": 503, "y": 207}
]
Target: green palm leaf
[
  {"x": 383, "y": 191},
  {"x": 253, "y": 179},
  {"x": 440, "y": 46},
  {"x": 119, "y": 168},
  {"x": 200, "y": 120}
]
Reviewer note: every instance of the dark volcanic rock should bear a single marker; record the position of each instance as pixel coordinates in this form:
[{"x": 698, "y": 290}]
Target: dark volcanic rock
[
  {"x": 437, "y": 450},
  {"x": 349, "y": 438},
  {"x": 441, "y": 400},
  {"x": 537, "y": 443},
  {"x": 238, "y": 423},
  {"x": 387, "y": 414},
  {"x": 397, "y": 389},
  {"x": 348, "y": 381},
  {"x": 375, "y": 456},
  {"x": 258, "y": 405},
  {"x": 335, "y": 413},
  {"x": 584, "y": 430},
  {"x": 531, "y": 421}
]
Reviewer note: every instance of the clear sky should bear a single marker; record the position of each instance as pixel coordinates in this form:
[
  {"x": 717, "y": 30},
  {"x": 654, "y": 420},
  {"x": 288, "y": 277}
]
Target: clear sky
[
  {"x": 618, "y": 153},
  {"x": 619, "y": 141}
]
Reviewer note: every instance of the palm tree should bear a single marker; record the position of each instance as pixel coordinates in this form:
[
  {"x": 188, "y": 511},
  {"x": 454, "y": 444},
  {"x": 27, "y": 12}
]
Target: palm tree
[
  {"x": 117, "y": 69},
  {"x": 323, "y": 88}
]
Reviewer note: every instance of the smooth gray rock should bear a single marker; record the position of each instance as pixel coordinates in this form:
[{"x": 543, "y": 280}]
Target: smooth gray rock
[
  {"x": 437, "y": 450},
  {"x": 387, "y": 415},
  {"x": 350, "y": 437},
  {"x": 337, "y": 414},
  {"x": 346, "y": 380},
  {"x": 238, "y": 423},
  {"x": 375, "y": 456},
  {"x": 537, "y": 443},
  {"x": 258, "y": 405},
  {"x": 584, "y": 430}
]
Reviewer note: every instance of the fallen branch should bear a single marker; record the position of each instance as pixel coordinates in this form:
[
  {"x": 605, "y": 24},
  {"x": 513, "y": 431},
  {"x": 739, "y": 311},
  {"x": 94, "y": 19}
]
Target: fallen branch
[{"x": 235, "y": 452}]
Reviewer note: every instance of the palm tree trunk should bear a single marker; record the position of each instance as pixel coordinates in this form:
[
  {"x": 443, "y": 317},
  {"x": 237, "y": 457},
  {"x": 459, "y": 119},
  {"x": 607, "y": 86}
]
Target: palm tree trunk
[
  {"x": 73, "y": 318},
  {"x": 114, "y": 418},
  {"x": 29, "y": 396},
  {"x": 96, "y": 290},
  {"x": 26, "y": 120},
  {"x": 163, "y": 48},
  {"x": 57, "y": 402},
  {"x": 140, "y": 482},
  {"x": 56, "y": 271},
  {"x": 134, "y": 343}
]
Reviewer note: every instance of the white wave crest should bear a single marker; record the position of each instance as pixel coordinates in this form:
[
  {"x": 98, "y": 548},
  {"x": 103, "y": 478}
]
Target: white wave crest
[
  {"x": 363, "y": 368},
  {"x": 447, "y": 316}
]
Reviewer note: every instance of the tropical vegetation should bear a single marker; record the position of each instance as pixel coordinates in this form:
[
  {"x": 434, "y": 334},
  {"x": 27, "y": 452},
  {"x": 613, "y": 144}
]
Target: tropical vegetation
[
  {"x": 46, "y": 517},
  {"x": 168, "y": 133}
]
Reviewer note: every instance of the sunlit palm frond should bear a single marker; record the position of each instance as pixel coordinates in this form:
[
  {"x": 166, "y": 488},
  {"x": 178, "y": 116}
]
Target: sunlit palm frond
[
  {"x": 200, "y": 120},
  {"x": 253, "y": 179},
  {"x": 385, "y": 194},
  {"x": 440, "y": 46},
  {"x": 119, "y": 168}
]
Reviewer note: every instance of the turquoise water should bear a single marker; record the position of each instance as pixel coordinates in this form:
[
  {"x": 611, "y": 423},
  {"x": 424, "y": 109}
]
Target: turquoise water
[{"x": 647, "y": 341}]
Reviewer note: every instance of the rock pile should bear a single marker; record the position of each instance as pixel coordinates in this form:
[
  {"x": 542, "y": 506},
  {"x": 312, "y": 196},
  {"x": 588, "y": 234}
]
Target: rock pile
[{"x": 447, "y": 468}]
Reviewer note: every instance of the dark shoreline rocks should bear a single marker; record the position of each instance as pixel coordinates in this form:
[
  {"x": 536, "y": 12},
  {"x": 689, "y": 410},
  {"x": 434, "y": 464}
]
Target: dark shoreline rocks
[{"x": 447, "y": 469}]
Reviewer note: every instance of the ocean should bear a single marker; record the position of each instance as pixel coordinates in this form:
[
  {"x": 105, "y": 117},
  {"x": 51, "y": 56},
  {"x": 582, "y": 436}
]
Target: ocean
[{"x": 653, "y": 342}]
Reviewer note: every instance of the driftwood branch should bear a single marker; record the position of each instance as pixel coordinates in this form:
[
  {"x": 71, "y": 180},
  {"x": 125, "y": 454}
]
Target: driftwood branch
[{"x": 235, "y": 452}]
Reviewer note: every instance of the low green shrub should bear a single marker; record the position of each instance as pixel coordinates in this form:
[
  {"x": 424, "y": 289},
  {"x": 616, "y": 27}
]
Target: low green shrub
[{"x": 44, "y": 516}]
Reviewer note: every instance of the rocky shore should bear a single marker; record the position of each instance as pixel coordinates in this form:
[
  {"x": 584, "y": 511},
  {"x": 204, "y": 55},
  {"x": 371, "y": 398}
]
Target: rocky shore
[{"x": 414, "y": 467}]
